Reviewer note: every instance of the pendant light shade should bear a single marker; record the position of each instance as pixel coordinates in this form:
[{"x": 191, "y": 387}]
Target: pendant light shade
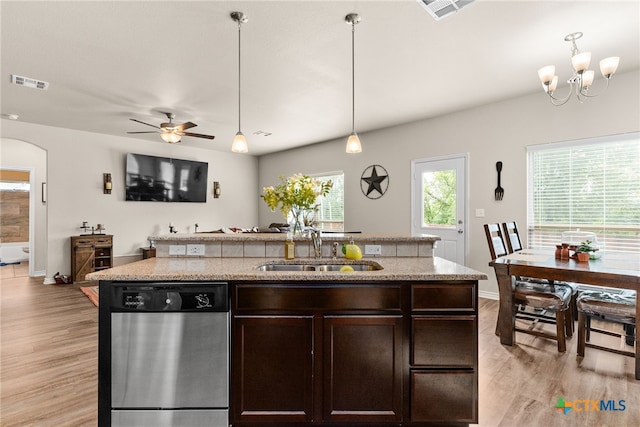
[
  {"x": 239, "y": 144},
  {"x": 353, "y": 142}
]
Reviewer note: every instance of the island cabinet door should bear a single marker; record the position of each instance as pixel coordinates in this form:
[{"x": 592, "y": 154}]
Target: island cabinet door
[
  {"x": 362, "y": 364},
  {"x": 272, "y": 368}
]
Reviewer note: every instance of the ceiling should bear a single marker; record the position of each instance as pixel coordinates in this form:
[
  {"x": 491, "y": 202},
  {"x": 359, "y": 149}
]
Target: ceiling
[{"x": 110, "y": 61}]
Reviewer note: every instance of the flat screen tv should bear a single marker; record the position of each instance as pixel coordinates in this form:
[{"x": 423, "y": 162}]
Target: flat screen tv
[{"x": 161, "y": 179}]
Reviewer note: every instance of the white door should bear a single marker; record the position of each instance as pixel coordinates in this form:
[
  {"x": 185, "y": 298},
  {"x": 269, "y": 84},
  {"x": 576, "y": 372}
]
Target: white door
[{"x": 438, "y": 204}]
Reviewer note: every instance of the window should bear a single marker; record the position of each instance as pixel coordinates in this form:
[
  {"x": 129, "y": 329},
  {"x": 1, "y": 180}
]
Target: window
[
  {"x": 590, "y": 185},
  {"x": 330, "y": 215},
  {"x": 439, "y": 198}
]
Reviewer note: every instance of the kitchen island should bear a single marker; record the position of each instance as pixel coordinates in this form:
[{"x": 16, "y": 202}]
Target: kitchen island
[{"x": 396, "y": 345}]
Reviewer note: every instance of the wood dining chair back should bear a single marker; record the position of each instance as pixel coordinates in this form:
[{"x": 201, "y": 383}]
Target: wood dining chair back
[
  {"x": 512, "y": 236},
  {"x": 540, "y": 296},
  {"x": 495, "y": 240}
]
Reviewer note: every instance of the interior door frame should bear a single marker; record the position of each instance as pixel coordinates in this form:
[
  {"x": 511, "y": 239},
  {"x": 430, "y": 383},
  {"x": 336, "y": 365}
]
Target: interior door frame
[
  {"x": 464, "y": 198},
  {"x": 32, "y": 215}
]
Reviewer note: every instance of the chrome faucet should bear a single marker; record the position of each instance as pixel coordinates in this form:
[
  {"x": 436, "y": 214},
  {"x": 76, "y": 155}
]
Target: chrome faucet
[
  {"x": 196, "y": 228},
  {"x": 317, "y": 243}
]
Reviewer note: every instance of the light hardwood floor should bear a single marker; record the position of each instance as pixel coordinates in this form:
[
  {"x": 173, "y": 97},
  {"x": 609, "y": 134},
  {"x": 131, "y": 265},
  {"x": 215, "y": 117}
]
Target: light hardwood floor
[{"x": 49, "y": 367}]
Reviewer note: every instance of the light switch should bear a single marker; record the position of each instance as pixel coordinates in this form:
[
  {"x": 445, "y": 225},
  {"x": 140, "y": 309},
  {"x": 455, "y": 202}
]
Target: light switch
[{"x": 479, "y": 213}]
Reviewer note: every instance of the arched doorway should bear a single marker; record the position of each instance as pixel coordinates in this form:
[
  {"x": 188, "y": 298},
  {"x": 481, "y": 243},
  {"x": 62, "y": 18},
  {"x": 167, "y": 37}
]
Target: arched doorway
[{"x": 17, "y": 155}]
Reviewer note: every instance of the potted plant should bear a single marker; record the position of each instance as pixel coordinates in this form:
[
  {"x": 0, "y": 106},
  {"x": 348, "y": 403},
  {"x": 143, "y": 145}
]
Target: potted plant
[{"x": 585, "y": 251}]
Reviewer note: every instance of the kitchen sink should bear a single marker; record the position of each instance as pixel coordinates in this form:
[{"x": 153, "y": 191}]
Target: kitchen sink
[{"x": 320, "y": 266}]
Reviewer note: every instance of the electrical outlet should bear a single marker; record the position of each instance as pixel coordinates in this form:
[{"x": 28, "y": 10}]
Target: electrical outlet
[
  {"x": 177, "y": 249},
  {"x": 372, "y": 250},
  {"x": 479, "y": 213},
  {"x": 195, "y": 250}
]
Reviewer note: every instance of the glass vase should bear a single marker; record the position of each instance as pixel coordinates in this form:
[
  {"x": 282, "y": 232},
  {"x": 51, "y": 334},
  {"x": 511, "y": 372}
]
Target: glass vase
[{"x": 296, "y": 221}]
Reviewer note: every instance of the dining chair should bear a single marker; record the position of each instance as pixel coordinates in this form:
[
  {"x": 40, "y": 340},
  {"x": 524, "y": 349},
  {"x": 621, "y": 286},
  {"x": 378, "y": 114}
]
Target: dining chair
[
  {"x": 514, "y": 244},
  {"x": 613, "y": 307},
  {"x": 542, "y": 297}
]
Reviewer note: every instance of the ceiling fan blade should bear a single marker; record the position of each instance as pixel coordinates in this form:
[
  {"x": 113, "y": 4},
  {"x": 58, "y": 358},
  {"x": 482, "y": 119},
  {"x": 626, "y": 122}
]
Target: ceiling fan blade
[
  {"x": 153, "y": 126},
  {"x": 150, "y": 131},
  {"x": 197, "y": 135},
  {"x": 183, "y": 126}
]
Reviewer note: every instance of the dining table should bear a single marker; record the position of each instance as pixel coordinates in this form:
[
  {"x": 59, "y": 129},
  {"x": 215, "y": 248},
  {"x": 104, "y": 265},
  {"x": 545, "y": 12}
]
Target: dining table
[{"x": 609, "y": 269}]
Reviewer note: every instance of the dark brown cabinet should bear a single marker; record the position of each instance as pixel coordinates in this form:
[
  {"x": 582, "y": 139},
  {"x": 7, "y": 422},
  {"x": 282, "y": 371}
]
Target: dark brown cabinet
[
  {"x": 362, "y": 357},
  {"x": 90, "y": 253},
  {"x": 344, "y": 354},
  {"x": 273, "y": 368},
  {"x": 444, "y": 354}
]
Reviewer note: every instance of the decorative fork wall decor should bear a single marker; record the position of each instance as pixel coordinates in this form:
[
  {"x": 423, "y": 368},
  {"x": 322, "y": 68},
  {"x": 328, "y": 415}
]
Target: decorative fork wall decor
[{"x": 499, "y": 191}]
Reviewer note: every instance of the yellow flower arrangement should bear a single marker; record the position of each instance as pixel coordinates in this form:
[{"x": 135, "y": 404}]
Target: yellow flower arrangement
[{"x": 296, "y": 194}]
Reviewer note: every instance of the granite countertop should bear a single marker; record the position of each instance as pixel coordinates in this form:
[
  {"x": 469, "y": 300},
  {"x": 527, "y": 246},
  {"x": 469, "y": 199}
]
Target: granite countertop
[
  {"x": 277, "y": 237},
  {"x": 239, "y": 269}
]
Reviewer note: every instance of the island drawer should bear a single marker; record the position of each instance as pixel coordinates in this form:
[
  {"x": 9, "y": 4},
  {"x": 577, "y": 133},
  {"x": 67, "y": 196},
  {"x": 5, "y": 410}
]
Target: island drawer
[
  {"x": 444, "y": 396},
  {"x": 316, "y": 297},
  {"x": 443, "y": 297},
  {"x": 444, "y": 341}
]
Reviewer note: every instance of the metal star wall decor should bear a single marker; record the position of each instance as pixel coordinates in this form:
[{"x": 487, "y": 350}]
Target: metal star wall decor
[{"x": 374, "y": 181}]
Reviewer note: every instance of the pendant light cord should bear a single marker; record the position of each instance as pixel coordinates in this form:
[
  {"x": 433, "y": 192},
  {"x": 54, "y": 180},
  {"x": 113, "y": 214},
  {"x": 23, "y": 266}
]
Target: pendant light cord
[
  {"x": 353, "y": 79},
  {"x": 239, "y": 73}
]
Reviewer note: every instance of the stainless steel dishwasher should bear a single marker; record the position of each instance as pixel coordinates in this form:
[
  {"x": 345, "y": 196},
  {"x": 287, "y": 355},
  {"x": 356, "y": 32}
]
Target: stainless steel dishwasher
[{"x": 169, "y": 354}]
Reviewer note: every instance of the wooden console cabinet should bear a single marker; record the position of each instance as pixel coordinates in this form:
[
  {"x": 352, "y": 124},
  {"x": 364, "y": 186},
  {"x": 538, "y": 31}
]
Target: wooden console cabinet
[
  {"x": 342, "y": 354},
  {"x": 90, "y": 253}
]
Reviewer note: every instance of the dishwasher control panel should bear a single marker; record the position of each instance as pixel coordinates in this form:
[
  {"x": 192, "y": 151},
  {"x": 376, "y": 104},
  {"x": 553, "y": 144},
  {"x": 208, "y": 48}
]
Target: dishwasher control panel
[{"x": 167, "y": 297}]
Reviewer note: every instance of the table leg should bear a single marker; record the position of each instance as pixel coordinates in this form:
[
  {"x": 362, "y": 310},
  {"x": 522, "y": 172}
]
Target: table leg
[{"x": 506, "y": 325}]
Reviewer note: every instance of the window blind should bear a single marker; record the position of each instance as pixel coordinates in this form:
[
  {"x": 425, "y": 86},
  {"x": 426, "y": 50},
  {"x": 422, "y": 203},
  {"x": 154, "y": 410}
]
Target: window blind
[{"x": 588, "y": 185}]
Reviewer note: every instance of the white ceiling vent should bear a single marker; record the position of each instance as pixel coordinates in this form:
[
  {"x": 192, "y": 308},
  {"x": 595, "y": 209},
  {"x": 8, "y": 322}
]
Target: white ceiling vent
[
  {"x": 441, "y": 8},
  {"x": 29, "y": 82}
]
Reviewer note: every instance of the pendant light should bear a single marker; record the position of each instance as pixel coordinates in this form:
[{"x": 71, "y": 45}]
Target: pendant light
[
  {"x": 353, "y": 142},
  {"x": 239, "y": 142}
]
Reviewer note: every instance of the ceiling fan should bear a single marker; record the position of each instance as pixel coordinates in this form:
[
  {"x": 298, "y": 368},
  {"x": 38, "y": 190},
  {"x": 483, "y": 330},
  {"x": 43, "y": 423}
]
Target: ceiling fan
[{"x": 171, "y": 132}]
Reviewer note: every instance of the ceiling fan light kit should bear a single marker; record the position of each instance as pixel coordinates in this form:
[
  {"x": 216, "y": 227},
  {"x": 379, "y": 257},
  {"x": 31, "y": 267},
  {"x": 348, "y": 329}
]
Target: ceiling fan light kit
[
  {"x": 582, "y": 78},
  {"x": 170, "y": 132}
]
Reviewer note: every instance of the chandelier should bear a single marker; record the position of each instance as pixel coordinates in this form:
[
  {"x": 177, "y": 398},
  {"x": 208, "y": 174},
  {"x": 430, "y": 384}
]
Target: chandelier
[{"x": 582, "y": 78}]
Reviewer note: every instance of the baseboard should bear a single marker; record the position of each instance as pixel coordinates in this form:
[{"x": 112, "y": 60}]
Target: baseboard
[{"x": 488, "y": 295}]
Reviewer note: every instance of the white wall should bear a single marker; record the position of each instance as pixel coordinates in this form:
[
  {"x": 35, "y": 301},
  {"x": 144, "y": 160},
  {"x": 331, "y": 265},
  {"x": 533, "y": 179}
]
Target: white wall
[
  {"x": 20, "y": 155},
  {"x": 498, "y": 131},
  {"x": 76, "y": 162}
]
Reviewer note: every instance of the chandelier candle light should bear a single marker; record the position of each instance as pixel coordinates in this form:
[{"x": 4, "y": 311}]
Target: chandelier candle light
[
  {"x": 582, "y": 79},
  {"x": 296, "y": 198}
]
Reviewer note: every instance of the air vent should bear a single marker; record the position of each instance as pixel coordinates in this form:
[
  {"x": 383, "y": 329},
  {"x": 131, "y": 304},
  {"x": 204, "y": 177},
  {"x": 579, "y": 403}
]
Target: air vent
[
  {"x": 441, "y": 8},
  {"x": 261, "y": 132},
  {"x": 29, "y": 82}
]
